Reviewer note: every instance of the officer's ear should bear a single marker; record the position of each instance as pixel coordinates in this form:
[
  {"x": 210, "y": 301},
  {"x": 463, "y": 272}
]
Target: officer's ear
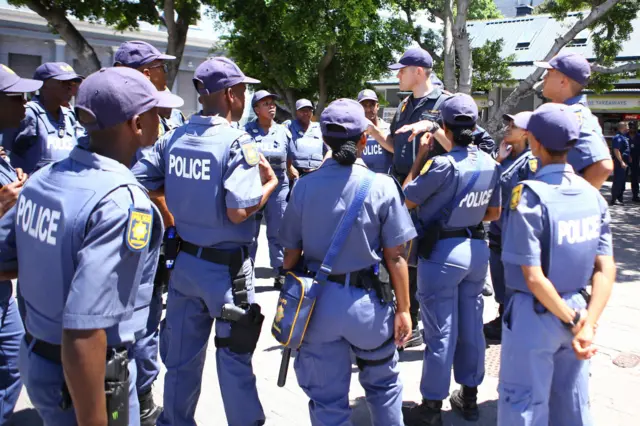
[{"x": 135, "y": 124}]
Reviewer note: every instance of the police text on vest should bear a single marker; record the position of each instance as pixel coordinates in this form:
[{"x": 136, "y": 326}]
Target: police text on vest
[
  {"x": 372, "y": 149},
  {"x": 189, "y": 168},
  {"x": 578, "y": 230},
  {"x": 476, "y": 199},
  {"x": 39, "y": 222},
  {"x": 55, "y": 143}
]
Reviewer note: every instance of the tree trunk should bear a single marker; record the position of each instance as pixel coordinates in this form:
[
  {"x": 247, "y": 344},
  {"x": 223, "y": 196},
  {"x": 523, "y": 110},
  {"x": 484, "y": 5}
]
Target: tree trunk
[
  {"x": 323, "y": 92},
  {"x": 449, "y": 53},
  {"x": 526, "y": 86},
  {"x": 628, "y": 67},
  {"x": 463, "y": 47},
  {"x": 57, "y": 20},
  {"x": 176, "y": 34}
]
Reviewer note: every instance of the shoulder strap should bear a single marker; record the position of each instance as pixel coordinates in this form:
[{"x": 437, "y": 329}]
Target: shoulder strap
[
  {"x": 342, "y": 231},
  {"x": 456, "y": 200},
  {"x": 440, "y": 100}
]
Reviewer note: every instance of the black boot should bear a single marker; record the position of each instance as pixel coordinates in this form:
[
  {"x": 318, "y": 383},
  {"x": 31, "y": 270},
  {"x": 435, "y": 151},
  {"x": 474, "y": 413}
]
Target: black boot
[
  {"x": 493, "y": 329},
  {"x": 416, "y": 338},
  {"x": 278, "y": 281},
  {"x": 426, "y": 414},
  {"x": 149, "y": 411},
  {"x": 465, "y": 400}
]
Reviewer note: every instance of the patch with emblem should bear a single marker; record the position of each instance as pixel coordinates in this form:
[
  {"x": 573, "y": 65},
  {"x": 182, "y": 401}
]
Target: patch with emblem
[
  {"x": 66, "y": 68},
  {"x": 138, "y": 229},
  {"x": 516, "y": 194},
  {"x": 579, "y": 117},
  {"x": 250, "y": 153},
  {"x": 533, "y": 165},
  {"x": 426, "y": 167}
]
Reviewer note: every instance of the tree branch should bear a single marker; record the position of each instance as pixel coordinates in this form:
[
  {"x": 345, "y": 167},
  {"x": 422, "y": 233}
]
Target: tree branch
[
  {"x": 323, "y": 93},
  {"x": 628, "y": 67},
  {"x": 153, "y": 10},
  {"x": 416, "y": 33}
]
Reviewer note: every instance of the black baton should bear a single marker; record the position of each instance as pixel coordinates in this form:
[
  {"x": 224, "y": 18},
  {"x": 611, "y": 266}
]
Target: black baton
[{"x": 284, "y": 367}]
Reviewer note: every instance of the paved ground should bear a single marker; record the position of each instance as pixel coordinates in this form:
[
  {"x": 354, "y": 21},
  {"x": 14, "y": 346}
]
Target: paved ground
[{"x": 614, "y": 389}]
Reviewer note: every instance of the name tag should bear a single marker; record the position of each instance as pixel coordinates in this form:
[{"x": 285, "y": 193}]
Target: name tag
[
  {"x": 578, "y": 230},
  {"x": 37, "y": 221},
  {"x": 190, "y": 168}
]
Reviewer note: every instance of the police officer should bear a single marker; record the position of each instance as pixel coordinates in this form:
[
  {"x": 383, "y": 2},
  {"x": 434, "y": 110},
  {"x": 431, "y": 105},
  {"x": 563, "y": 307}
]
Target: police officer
[
  {"x": 273, "y": 141},
  {"x": 634, "y": 147},
  {"x": 621, "y": 160},
  {"x": 92, "y": 229},
  {"x": 455, "y": 193},
  {"x": 49, "y": 130},
  {"x": 567, "y": 75},
  {"x": 555, "y": 220},
  {"x": 306, "y": 149},
  {"x": 209, "y": 161},
  {"x": 374, "y": 155},
  {"x": 151, "y": 63},
  {"x": 350, "y": 315},
  {"x": 12, "y": 92},
  {"x": 517, "y": 163}
]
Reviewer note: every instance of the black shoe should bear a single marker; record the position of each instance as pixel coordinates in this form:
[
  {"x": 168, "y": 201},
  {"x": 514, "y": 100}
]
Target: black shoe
[
  {"x": 621, "y": 201},
  {"x": 464, "y": 400},
  {"x": 493, "y": 330},
  {"x": 416, "y": 339},
  {"x": 487, "y": 291},
  {"x": 149, "y": 411},
  {"x": 426, "y": 414},
  {"x": 612, "y": 203}
]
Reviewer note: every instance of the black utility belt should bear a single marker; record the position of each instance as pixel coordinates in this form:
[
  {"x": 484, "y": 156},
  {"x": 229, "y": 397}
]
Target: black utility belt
[
  {"x": 539, "y": 308},
  {"x": 475, "y": 233},
  {"x": 212, "y": 255},
  {"x": 53, "y": 353},
  {"x": 358, "y": 279}
]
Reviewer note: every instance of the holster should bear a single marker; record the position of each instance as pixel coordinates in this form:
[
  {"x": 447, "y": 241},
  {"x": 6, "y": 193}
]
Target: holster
[
  {"x": 427, "y": 243},
  {"x": 171, "y": 247},
  {"x": 382, "y": 285},
  {"x": 116, "y": 388}
]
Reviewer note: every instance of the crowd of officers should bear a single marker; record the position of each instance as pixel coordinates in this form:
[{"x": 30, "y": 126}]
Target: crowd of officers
[{"x": 102, "y": 203}]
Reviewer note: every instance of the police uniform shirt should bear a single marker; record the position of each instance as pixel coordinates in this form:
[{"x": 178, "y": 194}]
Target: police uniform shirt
[
  {"x": 94, "y": 284},
  {"x": 374, "y": 155},
  {"x": 591, "y": 147},
  {"x": 7, "y": 175},
  {"x": 199, "y": 187},
  {"x": 297, "y": 132},
  {"x": 274, "y": 145},
  {"x": 525, "y": 235},
  {"x": 437, "y": 184},
  {"x": 621, "y": 143},
  {"x": 318, "y": 202}
]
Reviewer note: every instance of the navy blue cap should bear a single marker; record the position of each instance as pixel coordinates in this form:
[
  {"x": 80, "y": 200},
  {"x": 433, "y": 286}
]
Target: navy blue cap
[
  {"x": 134, "y": 54},
  {"x": 367, "y": 95},
  {"x": 554, "y": 126},
  {"x": 459, "y": 109},
  {"x": 10, "y": 82},
  {"x": 56, "y": 70},
  {"x": 347, "y": 115},
  {"x": 220, "y": 73},
  {"x": 261, "y": 94},
  {"x": 520, "y": 119},
  {"x": 415, "y": 56},
  {"x": 114, "y": 95},
  {"x": 571, "y": 64},
  {"x": 303, "y": 103}
]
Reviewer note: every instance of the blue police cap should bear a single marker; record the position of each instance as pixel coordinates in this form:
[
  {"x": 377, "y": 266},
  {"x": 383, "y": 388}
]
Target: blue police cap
[
  {"x": 56, "y": 70},
  {"x": 10, "y": 82},
  {"x": 554, "y": 126},
  {"x": 415, "y": 56},
  {"x": 136, "y": 53},
  {"x": 219, "y": 73},
  {"x": 571, "y": 64},
  {"x": 346, "y": 117},
  {"x": 261, "y": 94},
  {"x": 367, "y": 95},
  {"x": 520, "y": 119},
  {"x": 303, "y": 103},
  {"x": 459, "y": 109}
]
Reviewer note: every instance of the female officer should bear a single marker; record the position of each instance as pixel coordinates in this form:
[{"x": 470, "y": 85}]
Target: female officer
[
  {"x": 273, "y": 140},
  {"x": 349, "y": 315},
  {"x": 455, "y": 193},
  {"x": 307, "y": 149}
]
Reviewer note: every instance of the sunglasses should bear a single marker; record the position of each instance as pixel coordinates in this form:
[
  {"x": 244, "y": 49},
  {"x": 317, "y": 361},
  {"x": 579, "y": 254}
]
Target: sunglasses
[
  {"x": 23, "y": 96},
  {"x": 164, "y": 67}
]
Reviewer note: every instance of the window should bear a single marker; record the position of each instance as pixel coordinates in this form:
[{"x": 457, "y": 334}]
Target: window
[
  {"x": 24, "y": 65},
  {"x": 187, "y": 92},
  {"x": 391, "y": 95}
]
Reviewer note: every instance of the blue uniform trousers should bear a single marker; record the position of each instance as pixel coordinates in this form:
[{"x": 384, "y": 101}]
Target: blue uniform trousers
[
  {"x": 197, "y": 291},
  {"x": 44, "y": 379},
  {"x": 273, "y": 213},
  {"x": 542, "y": 383},
  {"x": 619, "y": 182},
  {"x": 496, "y": 268},
  {"x": 11, "y": 335},
  {"x": 145, "y": 350},
  {"x": 451, "y": 305},
  {"x": 345, "y": 320}
]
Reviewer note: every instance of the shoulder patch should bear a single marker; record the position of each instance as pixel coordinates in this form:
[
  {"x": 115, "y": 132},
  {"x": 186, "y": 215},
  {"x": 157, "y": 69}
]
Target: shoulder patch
[
  {"x": 579, "y": 116},
  {"x": 533, "y": 165},
  {"x": 426, "y": 167},
  {"x": 516, "y": 194},
  {"x": 249, "y": 151},
  {"x": 138, "y": 229}
]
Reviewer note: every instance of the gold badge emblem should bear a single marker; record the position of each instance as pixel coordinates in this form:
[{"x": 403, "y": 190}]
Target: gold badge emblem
[
  {"x": 66, "y": 68},
  {"x": 579, "y": 117},
  {"x": 426, "y": 167},
  {"x": 516, "y": 194},
  {"x": 533, "y": 165},
  {"x": 250, "y": 153},
  {"x": 138, "y": 230}
]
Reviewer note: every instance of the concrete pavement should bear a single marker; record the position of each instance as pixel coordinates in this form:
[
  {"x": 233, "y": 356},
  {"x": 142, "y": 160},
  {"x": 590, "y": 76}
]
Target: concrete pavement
[{"x": 613, "y": 388}]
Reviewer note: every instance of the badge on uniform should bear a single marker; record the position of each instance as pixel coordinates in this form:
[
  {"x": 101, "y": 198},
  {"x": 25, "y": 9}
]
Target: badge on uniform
[
  {"x": 61, "y": 132},
  {"x": 579, "y": 116},
  {"x": 533, "y": 165},
  {"x": 138, "y": 229},
  {"x": 426, "y": 166},
  {"x": 516, "y": 194},
  {"x": 250, "y": 153}
]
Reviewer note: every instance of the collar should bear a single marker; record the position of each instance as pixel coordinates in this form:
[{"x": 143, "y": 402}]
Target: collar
[
  {"x": 97, "y": 161},
  {"x": 204, "y": 120},
  {"x": 555, "y": 168},
  {"x": 468, "y": 148},
  {"x": 331, "y": 162},
  {"x": 580, "y": 99}
]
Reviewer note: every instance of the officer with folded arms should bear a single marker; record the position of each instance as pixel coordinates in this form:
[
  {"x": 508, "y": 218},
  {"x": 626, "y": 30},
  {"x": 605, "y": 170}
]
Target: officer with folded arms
[
  {"x": 220, "y": 167},
  {"x": 49, "y": 130},
  {"x": 556, "y": 240},
  {"x": 306, "y": 149},
  {"x": 12, "y": 94},
  {"x": 91, "y": 228}
]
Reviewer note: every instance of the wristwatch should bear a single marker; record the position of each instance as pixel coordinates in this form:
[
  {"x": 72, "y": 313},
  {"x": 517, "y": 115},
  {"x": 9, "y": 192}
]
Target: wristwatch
[{"x": 576, "y": 319}]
